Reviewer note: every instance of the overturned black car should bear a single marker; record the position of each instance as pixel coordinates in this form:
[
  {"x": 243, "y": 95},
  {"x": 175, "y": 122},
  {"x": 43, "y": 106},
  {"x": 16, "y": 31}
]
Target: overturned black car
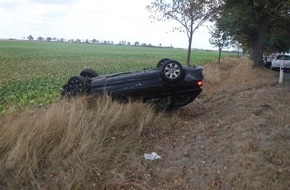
[{"x": 170, "y": 85}]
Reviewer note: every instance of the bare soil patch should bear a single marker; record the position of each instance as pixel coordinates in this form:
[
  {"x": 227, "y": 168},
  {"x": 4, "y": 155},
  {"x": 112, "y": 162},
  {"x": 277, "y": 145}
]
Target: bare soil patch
[{"x": 236, "y": 135}]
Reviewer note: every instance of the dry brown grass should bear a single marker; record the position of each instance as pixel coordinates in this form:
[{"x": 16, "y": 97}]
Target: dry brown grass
[
  {"x": 215, "y": 72},
  {"x": 78, "y": 144},
  {"x": 234, "y": 136}
]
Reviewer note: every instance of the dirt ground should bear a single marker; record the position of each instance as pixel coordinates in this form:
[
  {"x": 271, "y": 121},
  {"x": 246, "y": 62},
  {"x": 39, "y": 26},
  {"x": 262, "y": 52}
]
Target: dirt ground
[{"x": 236, "y": 135}]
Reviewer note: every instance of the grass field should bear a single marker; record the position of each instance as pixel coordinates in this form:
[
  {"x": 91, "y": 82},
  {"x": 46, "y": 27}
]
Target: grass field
[{"x": 32, "y": 73}]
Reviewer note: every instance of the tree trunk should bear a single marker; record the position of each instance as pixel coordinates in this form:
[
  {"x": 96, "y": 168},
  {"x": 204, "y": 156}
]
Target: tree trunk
[
  {"x": 253, "y": 45},
  {"x": 189, "y": 35},
  {"x": 189, "y": 49},
  {"x": 220, "y": 53},
  {"x": 251, "y": 51},
  {"x": 259, "y": 44}
]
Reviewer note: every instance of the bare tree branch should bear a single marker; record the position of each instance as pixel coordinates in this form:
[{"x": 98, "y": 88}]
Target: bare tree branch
[{"x": 190, "y": 14}]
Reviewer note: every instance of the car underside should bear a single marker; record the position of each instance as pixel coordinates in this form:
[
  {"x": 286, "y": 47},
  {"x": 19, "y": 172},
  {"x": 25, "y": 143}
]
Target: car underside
[{"x": 168, "y": 86}]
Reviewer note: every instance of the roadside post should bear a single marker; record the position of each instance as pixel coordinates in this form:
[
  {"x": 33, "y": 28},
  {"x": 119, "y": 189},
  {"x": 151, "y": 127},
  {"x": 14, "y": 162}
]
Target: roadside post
[{"x": 281, "y": 72}]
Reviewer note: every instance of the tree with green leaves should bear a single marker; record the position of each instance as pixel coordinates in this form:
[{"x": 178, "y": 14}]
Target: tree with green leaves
[
  {"x": 219, "y": 39},
  {"x": 250, "y": 22},
  {"x": 40, "y": 38},
  {"x": 190, "y": 14},
  {"x": 278, "y": 40},
  {"x": 30, "y": 37}
]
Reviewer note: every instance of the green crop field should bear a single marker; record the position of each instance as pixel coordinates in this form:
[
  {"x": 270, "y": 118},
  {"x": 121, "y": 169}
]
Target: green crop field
[{"x": 32, "y": 73}]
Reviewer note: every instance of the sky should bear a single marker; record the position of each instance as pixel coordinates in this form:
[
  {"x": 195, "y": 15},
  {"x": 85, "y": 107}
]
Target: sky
[{"x": 110, "y": 20}]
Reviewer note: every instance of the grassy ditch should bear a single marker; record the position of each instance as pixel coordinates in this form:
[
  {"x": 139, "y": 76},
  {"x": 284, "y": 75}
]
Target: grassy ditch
[{"x": 78, "y": 144}]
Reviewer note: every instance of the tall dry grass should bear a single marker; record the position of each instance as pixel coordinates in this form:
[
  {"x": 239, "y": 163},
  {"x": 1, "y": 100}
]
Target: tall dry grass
[
  {"x": 84, "y": 143},
  {"x": 215, "y": 73}
]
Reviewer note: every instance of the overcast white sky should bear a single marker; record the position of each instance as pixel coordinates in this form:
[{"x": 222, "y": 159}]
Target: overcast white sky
[{"x": 113, "y": 20}]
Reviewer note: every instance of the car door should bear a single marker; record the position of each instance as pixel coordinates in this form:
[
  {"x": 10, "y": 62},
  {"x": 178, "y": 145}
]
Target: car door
[
  {"x": 286, "y": 63},
  {"x": 276, "y": 61},
  {"x": 150, "y": 83},
  {"x": 123, "y": 85}
]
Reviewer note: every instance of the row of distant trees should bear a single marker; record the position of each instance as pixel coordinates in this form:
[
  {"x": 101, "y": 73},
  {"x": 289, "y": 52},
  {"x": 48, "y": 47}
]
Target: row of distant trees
[{"x": 87, "y": 41}]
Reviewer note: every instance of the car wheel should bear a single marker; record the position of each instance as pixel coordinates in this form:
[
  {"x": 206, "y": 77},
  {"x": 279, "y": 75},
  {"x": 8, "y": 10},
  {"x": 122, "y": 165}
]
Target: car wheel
[
  {"x": 75, "y": 86},
  {"x": 172, "y": 71},
  {"x": 161, "y": 62},
  {"x": 88, "y": 73}
]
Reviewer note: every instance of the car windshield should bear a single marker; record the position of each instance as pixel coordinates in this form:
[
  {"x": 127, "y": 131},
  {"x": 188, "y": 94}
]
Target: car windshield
[
  {"x": 287, "y": 57},
  {"x": 283, "y": 57}
]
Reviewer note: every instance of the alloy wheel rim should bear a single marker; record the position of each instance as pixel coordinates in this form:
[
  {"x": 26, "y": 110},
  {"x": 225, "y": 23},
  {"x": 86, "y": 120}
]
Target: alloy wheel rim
[{"x": 172, "y": 71}]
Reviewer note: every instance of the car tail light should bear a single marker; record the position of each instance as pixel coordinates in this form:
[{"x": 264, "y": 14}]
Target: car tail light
[{"x": 200, "y": 83}]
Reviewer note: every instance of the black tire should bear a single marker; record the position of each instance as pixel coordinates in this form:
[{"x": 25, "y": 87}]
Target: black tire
[
  {"x": 172, "y": 71},
  {"x": 271, "y": 67},
  {"x": 75, "y": 86},
  {"x": 161, "y": 62},
  {"x": 88, "y": 73}
]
